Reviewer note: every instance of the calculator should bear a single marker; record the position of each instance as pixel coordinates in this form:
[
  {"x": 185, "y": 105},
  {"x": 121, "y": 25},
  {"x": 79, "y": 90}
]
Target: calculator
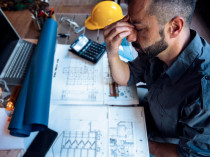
[{"x": 87, "y": 49}]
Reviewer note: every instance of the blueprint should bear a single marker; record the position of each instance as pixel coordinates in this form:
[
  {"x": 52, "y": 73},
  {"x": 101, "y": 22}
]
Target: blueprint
[
  {"x": 83, "y": 114},
  {"x": 127, "y": 94},
  {"x": 104, "y": 132},
  {"x": 77, "y": 81}
]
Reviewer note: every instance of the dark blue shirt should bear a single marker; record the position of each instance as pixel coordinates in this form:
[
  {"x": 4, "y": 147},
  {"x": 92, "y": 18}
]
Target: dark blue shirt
[{"x": 179, "y": 96}]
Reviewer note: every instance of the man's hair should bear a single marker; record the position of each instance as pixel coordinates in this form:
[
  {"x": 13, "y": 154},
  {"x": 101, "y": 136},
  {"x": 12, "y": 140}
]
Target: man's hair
[{"x": 166, "y": 10}]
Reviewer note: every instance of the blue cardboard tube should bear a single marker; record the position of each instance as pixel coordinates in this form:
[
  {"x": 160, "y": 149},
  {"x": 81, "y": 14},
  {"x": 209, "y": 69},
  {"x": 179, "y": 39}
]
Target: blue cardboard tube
[{"x": 32, "y": 107}]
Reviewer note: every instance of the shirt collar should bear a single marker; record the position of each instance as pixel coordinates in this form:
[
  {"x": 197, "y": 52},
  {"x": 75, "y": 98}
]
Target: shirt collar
[{"x": 186, "y": 58}]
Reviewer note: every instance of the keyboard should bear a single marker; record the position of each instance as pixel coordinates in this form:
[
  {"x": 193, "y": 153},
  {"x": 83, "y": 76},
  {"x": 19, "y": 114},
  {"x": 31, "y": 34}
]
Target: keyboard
[{"x": 20, "y": 61}]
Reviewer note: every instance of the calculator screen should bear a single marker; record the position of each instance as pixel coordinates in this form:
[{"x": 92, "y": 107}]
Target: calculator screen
[{"x": 82, "y": 41}]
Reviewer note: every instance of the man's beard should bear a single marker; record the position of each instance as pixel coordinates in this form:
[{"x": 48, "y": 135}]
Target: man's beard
[{"x": 153, "y": 50}]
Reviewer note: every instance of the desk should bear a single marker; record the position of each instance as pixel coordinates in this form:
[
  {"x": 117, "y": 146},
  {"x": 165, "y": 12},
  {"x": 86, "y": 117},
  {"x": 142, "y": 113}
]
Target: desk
[
  {"x": 65, "y": 28},
  {"x": 101, "y": 111}
]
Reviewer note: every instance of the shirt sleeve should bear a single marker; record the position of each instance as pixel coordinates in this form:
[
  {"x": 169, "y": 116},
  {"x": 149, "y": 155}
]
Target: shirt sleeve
[
  {"x": 195, "y": 126},
  {"x": 137, "y": 69}
]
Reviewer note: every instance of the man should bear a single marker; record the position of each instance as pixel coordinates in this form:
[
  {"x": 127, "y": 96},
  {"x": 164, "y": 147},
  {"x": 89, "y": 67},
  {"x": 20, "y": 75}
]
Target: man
[{"x": 175, "y": 64}]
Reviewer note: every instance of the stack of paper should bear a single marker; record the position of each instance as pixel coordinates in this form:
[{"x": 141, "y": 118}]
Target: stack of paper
[{"x": 89, "y": 122}]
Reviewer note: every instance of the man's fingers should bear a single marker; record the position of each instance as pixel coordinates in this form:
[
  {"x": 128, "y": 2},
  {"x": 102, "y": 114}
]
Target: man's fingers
[
  {"x": 114, "y": 32},
  {"x": 112, "y": 46},
  {"x": 116, "y": 40},
  {"x": 117, "y": 24}
]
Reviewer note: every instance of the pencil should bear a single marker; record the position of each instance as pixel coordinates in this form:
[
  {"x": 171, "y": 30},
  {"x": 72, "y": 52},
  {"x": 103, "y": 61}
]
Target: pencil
[{"x": 113, "y": 86}]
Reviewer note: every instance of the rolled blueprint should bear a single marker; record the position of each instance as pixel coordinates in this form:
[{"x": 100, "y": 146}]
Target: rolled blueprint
[{"x": 32, "y": 107}]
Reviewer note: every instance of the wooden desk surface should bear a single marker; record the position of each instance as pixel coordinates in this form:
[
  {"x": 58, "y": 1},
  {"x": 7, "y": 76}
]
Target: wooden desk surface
[
  {"x": 22, "y": 22},
  {"x": 64, "y": 27}
]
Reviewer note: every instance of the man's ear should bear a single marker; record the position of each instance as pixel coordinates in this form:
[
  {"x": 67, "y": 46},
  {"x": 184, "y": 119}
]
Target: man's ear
[{"x": 175, "y": 26}]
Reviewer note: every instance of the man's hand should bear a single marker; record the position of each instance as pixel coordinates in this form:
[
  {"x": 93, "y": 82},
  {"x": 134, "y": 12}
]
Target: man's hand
[
  {"x": 162, "y": 149},
  {"x": 114, "y": 33}
]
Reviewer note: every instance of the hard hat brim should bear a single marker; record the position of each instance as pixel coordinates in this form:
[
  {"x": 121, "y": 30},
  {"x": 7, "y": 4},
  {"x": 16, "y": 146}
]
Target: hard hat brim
[{"x": 91, "y": 26}]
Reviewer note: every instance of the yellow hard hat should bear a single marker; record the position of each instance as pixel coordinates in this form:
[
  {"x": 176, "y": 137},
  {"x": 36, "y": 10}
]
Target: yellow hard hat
[{"x": 103, "y": 14}]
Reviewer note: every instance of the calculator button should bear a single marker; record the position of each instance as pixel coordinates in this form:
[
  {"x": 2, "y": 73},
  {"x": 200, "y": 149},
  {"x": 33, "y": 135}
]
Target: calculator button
[{"x": 92, "y": 51}]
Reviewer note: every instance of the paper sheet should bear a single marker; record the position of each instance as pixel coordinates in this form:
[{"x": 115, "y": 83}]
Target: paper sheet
[
  {"x": 77, "y": 81},
  {"x": 127, "y": 94},
  {"x": 6, "y": 140},
  {"x": 98, "y": 131}
]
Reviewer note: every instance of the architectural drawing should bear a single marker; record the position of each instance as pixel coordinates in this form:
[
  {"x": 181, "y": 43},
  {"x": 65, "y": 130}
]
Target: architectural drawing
[
  {"x": 77, "y": 81},
  {"x": 81, "y": 80},
  {"x": 127, "y": 94},
  {"x": 98, "y": 131},
  {"x": 121, "y": 140},
  {"x": 77, "y": 143}
]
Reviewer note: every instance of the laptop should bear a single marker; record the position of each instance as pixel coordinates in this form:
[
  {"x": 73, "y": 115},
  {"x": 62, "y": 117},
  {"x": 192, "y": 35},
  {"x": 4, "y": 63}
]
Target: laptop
[{"x": 15, "y": 53}]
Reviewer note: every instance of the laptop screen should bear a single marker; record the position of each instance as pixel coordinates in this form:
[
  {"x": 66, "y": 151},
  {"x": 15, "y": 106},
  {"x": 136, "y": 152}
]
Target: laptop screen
[{"x": 8, "y": 40}]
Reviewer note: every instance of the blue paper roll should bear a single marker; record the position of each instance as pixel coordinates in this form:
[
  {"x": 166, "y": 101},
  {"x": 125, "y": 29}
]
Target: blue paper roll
[{"x": 32, "y": 107}]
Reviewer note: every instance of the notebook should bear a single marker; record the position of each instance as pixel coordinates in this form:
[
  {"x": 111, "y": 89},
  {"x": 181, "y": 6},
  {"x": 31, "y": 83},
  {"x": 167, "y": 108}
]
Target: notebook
[{"x": 15, "y": 53}]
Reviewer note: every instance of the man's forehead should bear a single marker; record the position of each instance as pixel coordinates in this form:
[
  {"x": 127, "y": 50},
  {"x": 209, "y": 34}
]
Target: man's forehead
[{"x": 137, "y": 9}]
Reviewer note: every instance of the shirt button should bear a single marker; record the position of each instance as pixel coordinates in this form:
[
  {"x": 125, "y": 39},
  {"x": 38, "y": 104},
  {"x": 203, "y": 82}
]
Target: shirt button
[{"x": 207, "y": 77}]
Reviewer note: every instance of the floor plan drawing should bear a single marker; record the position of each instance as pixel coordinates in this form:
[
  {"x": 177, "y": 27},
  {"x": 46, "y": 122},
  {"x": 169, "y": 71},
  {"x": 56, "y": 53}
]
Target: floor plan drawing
[
  {"x": 98, "y": 131},
  {"x": 122, "y": 140},
  {"x": 82, "y": 80},
  {"x": 77, "y": 81},
  {"x": 127, "y": 132}
]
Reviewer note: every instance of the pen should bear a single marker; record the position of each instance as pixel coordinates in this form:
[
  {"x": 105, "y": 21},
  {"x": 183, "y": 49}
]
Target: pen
[
  {"x": 45, "y": 13},
  {"x": 116, "y": 89},
  {"x": 41, "y": 14},
  {"x": 61, "y": 35},
  {"x": 111, "y": 91},
  {"x": 113, "y": 86},
  {"x": 52, "y": 11}
]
